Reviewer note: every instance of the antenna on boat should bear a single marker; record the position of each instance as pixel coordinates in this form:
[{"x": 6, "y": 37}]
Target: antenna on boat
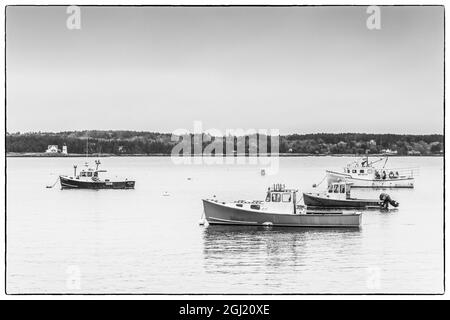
[
  {"x": 74, "y": 170},
  {"x": 97, "y": 163}
]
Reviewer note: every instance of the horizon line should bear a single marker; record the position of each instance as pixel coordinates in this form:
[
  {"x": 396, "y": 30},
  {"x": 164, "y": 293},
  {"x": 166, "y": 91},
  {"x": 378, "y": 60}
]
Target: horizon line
[{"x": 206, "y": 132}]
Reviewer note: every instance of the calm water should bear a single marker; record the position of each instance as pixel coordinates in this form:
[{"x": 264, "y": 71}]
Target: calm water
[{"x": 139, "y": 241}]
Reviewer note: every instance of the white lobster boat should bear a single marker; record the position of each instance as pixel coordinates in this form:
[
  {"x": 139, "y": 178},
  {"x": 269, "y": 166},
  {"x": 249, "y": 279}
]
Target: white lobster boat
[
  {"x": 279, "y": 209},
  {"x": 363, "y": 174}
]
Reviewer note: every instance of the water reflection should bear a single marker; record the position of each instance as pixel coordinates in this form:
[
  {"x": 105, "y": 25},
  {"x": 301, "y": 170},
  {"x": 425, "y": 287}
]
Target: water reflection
[{"x": 243, "y": 249}]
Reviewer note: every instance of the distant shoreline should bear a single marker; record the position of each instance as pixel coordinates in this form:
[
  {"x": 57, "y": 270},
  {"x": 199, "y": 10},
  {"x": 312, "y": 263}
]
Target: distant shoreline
[
  {"x": 131, "y": 143},
  {"x": 79, "y": 155}
]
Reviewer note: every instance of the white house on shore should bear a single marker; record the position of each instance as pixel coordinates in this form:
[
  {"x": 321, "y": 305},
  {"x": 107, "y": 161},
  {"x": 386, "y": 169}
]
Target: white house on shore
[
  {"x": 389, "y": 152},
  {"x": 52, "y": 149}
]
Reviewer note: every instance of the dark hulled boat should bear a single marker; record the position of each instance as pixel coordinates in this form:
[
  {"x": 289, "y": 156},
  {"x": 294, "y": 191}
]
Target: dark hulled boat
[
  {"x": 320, "y": 200},
  {"x": 89, "y": 178},
  {"x": 338, "y": 196}
]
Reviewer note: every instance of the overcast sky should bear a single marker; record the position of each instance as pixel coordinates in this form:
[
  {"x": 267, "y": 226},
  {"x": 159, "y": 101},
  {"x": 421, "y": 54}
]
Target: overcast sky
[{"x": 296, "y": 69}]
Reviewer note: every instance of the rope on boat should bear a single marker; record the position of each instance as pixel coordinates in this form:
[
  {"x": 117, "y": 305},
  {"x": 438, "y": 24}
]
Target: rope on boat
[
  {"x": 49, "y": 187},
  {"x": 320, "y": 181},
  {"x": 301, "y": 198}
]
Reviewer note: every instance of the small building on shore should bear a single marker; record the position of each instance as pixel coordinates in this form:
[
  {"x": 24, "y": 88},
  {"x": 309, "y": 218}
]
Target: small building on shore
[
  {"x": 389, "y": 152},
  {"x": 52, "y": 149}
]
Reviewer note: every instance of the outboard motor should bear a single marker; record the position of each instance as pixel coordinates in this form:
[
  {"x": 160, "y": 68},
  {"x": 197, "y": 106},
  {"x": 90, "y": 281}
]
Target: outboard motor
[{"x": 386, "y": 200}]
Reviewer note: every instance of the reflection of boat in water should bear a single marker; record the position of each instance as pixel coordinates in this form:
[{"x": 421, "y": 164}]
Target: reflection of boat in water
[
  {"x": 363, "y": 174},
  {"x": 230, "y": 233},
  {"x": 279, "y": 209},
  {"x": 338, "y": 196},
  {"x": 89, "y": 178},
  {"x": 250, "y": 252}
]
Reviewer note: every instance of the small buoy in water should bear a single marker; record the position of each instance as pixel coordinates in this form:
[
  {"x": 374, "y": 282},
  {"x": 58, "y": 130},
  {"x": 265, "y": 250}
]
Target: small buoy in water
[
  {"x": 263, "y": 172},
  {"x": 314, "y": 185},
  {"x": 189, "y": 178}
]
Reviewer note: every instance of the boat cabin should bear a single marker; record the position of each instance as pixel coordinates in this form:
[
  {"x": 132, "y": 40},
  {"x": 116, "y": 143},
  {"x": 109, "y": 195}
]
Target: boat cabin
[
  {"x": 359, "y": 170},
  {"x": 361, "y": 167},
  {"x": 370, "y": 172},
  {"x": 339, "y": 190},
  {"x": 280, "y": 199},
  {"x": 88, "y": 173}
]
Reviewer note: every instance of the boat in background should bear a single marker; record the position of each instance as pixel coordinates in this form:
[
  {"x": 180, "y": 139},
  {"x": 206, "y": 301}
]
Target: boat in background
[
  {"x": 338, "y": 196},
  {"x": 89, "y": 178},
  {"x": 279, "y": 209},
  {"x": 364, "y": 174}
]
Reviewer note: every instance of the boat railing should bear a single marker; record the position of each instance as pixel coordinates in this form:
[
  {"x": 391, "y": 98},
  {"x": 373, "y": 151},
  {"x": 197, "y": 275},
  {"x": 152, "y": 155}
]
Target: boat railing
[{"x": 408, "y": 172}]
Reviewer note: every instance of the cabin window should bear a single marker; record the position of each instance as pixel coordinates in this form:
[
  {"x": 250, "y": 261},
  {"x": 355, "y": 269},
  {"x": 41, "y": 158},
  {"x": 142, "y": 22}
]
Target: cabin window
[
  {"x": 336, "y": 188},
  {"x": 268, "y": 197},
  {"x": 89, "y": 174},
  {"x": 361, "y": 171},
  {"x": 354, "y": 171},
  {"x": 83, "y": 174},
  {"x": 342, "y": 188},
  {"x": 95, "y": 174},
  {"x": 330, "y": 188},
  {"x": 348, "y": 170},
  {"x": 286, "y": 197},
  {"x": 276, "y": 197}
]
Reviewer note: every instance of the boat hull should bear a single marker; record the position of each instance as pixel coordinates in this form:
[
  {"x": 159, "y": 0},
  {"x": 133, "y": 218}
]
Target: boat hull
[
  {"x": 68, "y": 183},
  {"x": 220, "y": 213},
  {"x": 312, "y": 200},
  {"x": 407, "y": 182}
]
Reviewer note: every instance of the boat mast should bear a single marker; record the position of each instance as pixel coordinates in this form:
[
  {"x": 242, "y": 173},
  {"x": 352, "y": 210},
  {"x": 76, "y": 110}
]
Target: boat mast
[
  {"x": 87, "y": 147},
  {"x": 384, "y": 165}
]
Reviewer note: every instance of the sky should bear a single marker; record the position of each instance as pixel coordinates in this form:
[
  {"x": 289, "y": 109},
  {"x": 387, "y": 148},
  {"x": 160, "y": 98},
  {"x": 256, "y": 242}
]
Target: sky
[{"x": 295, "y": 69}]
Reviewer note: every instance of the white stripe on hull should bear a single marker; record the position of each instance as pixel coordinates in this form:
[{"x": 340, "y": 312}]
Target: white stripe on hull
[
  {"x": 225, "y": 221},
  {"x": 68, "y": 185}
]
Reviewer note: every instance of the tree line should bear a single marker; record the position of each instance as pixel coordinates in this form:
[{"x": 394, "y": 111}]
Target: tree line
[{"x": 142, "y": 142}]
